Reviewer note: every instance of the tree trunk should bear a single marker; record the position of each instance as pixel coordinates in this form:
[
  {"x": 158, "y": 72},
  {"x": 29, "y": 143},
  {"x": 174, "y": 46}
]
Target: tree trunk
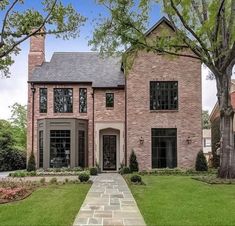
[{"x": 227, "y": 152}]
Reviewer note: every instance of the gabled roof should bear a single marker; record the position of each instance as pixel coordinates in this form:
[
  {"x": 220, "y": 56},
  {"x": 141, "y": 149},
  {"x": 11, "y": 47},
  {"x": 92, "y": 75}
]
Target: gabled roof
[
  {"x": 81, "y": 67},
  {"x": 162, "y": 20}
]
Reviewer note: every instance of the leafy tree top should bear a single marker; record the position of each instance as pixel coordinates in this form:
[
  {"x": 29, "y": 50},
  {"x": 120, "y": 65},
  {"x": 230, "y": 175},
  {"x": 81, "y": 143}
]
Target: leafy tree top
[
  {"x": 19, "y": 23},
  {"x": 206, "y": 27}
]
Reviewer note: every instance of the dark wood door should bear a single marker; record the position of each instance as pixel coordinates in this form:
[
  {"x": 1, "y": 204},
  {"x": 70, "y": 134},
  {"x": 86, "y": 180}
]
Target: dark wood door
[{"x": 109, "y": 152}]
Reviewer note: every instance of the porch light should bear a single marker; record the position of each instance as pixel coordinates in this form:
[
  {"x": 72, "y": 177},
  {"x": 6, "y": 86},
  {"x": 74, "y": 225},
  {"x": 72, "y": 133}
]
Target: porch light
[
  {"x": 33, "y": 90},
  {"x": 141, "y": 140},
  {"x": 189, "y": 140}
]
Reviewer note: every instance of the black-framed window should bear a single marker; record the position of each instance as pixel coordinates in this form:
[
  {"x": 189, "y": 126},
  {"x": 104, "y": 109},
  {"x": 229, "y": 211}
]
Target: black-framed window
[
  {"x": 164, "y": 148},
  {"x": 43, "y": 100},
  {"x": 63, "y": 100},
  {"x": 82, "y": 100},
  {"x": 60, "y": 148},
  {"x": 81, "y": 148},
  {"x": 40, "y": 139},
  {"x": 164, "y": 95},
  {"x": 109, "y": 100}
]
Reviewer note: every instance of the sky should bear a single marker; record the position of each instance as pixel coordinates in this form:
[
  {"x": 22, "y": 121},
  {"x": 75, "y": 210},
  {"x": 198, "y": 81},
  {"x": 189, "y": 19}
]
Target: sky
[{"x": 14, "y": 89}]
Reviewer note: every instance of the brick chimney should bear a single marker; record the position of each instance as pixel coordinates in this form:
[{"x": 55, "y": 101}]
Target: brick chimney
[{"x": 36, "y": 53}]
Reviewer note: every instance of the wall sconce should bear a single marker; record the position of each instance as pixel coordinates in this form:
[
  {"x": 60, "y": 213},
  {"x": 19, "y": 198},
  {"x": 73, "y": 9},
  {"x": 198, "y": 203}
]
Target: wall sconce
[
  {"x": 189, "y": 140},
  {"x": 33, "y": 90},
  {"x": 141, "y": 140}
]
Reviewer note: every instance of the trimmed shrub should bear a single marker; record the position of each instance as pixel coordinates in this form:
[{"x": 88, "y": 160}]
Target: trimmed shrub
[
  {"x": 53, "y": 180},
  {"x": 201, "y": 163},
  {"x": 43, "y": 180},
  {"x": 124, "y": 170},
  {"x": 93, "y": 171},
  {"x": 84, "y": 177},
  {"x": 136, "y": 179},
  {"x": 12, "y": 159},
  {"x": 133, "y": 164},
  {"x": 31, "y": 163}
]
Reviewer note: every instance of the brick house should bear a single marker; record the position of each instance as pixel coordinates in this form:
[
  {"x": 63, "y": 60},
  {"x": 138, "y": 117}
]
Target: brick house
[{"x": 84, "y": 110}]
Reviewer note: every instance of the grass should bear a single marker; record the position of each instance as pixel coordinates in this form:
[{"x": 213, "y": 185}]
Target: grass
[
  {"x": 55, "y": 205},
  {"x": 182, "y": 201}
]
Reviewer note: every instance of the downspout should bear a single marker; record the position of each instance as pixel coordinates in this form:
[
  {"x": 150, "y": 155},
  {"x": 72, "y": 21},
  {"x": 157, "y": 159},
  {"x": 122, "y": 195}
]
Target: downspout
[
  {"x": 93, "y": 124},
  {"x": 33, "y": 92},
  {"x": 125, "y": 119}
]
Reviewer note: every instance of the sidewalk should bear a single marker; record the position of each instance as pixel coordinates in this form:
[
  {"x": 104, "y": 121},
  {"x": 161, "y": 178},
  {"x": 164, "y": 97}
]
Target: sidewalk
[{"x": 109, "y": 203}]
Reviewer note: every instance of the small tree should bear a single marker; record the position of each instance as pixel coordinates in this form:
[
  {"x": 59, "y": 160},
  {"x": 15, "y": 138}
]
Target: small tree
[
  {"x": 31, "y": 163},
  {"x": 133, "y": 164},
  {"x": 201, "y": 163}
]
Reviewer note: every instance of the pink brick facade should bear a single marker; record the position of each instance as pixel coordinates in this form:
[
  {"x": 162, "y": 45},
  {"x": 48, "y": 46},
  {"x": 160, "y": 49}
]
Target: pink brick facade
[
  {"x": 187, "y": 119},
  {"x": 131, "y": 118}
]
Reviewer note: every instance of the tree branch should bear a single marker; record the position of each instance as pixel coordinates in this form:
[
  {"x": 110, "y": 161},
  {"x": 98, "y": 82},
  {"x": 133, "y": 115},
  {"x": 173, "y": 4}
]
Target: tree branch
[
  {"x": 5, "y": 20},
  {"x": 217, "y": 22},
  {"x": 205, "y": 10},
  {"x": 31, "y": 34},
  {"x": 231, "y": 21},
  {"x": 203, "y": 46}
]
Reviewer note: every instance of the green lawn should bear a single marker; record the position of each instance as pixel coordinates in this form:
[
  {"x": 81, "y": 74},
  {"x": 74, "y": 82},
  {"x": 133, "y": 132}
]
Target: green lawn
[
  {"x": 56, "y": 205},
  {"x": 177, "y": 200}
]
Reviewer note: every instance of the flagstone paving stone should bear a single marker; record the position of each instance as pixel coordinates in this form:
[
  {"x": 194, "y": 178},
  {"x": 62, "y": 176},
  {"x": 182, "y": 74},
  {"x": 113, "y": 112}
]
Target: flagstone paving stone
[{"x": 109, "y": 203}]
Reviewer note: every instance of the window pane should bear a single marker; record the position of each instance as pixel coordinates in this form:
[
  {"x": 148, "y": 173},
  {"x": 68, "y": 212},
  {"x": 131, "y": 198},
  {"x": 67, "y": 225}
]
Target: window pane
[
  {"x": 82, "y": 100},
  {"x": 59, "y": 148},
  {"x": 163, "y": 95},
  {"x": 40, "y": 149},
  {"x": 164, "y": 148},
  {"x": 43, "y": 100},
  {"x": 81, "y": 148},
  {"x": 109, "y": 99},
  {"x": 63, "y": 100}
]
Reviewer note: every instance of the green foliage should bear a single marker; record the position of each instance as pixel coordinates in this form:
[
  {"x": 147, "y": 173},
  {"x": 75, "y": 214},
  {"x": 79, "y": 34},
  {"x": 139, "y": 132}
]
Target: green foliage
[
  {"x": 215, "y": 141},
  {"x": 53, "y": 180},
  {"x": 133, "y": 164},
  {"x": 93, "y": 171},
  {"x": 12, "y": 159},
  {"x": 125, "y": 170},
  {"x": 31, "y": 163},
  {"x": 201, "y": 163},
  {"x": 19, "y": 124},
  {"x": 84, "y": 177},
  {"x": 49, "y": 17},
  {"x": 136, "y": 179},
  {"x": 43, "y": 180},
  {"x": 205, "y": 120}
]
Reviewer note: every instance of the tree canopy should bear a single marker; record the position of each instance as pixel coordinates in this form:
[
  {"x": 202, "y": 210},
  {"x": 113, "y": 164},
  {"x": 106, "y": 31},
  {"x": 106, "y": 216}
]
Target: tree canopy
[
  {"x": 19, "y": 23},
  {"x": 205, "y": 120}
]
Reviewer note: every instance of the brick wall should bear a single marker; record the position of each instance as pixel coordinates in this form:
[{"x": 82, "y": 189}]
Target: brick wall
[
  {"x": 117, "y": 113},
  {"x": 152, "y": 67}
]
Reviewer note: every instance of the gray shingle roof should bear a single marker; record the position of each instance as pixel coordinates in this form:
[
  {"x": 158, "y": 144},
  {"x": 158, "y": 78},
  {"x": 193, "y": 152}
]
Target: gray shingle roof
[{"x": 81, "y": 67}]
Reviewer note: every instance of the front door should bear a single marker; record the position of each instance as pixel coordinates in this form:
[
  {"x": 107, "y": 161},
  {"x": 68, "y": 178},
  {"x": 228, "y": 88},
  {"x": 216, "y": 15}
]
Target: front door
[{"x": 109, "y": 152}]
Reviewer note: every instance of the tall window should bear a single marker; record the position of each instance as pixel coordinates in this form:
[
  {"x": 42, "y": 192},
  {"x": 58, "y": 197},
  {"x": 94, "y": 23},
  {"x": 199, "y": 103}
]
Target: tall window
[
  {"x": 40, "y": 149},
  {"x": 63, "y": 100},
  {"x": 82, "y": 100},
  {"x": 163, "y": 95},
  {"x": 59, "y": 148},
  {"x": 164, "y": 148},
  {"x": 110, "y": 100},
  {"x": 81, "y": 148},
  {"x": 43, "y": 100}
]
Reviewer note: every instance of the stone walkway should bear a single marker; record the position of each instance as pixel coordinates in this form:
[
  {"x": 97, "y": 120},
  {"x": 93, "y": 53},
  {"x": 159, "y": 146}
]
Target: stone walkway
[{"x": 109, "y": 202}]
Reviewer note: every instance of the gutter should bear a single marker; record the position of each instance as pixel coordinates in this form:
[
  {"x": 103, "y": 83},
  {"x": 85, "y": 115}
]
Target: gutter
[
  {"x": 93, "y": 133},
  {"x": 33, "y": 100},
  {"x": 125, "y": 120}
]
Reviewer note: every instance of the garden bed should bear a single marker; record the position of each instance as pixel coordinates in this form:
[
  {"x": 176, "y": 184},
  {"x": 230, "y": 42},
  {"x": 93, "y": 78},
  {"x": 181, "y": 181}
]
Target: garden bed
[
  {"x": 213, "y": 179},
  {"x": 11, "y": 191}
]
